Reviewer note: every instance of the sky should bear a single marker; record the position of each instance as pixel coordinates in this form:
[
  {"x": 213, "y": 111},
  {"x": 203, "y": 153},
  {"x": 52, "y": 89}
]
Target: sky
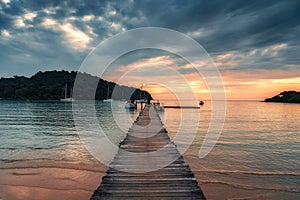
[{"x": 254, "y": 44}]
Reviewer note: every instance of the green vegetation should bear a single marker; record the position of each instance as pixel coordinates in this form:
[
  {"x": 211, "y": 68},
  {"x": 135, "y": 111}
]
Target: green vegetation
[
  {"x": 286, "y": 97},
  {"x": 50, "y": 85}
]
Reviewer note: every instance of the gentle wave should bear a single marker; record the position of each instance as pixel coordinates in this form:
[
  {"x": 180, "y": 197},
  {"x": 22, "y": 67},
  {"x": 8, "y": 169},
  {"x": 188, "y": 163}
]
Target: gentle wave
[
  {"x": 91, "y": 166},
  {"x": 251, "y": 173},
  {"x": 49, "y": 188},
  {"x": 255, "y": 148},
  {"x": 252, "y": 187}
]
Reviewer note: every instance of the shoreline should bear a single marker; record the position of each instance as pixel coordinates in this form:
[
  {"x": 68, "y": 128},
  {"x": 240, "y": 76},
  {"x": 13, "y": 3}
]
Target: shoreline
[{"x": 49, "y": 179}]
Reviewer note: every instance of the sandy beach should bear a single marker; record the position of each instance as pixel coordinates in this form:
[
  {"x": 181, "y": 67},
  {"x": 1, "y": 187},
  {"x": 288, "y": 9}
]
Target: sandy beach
[
  {"x": 217, "y": 190},
  {"x": 39, "y": 179},
  {"x": 49, "y": 179}
]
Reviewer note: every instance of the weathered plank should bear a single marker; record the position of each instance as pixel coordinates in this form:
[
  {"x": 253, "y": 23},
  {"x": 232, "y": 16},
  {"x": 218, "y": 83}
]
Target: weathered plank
[{"x": 148, "y": 165}]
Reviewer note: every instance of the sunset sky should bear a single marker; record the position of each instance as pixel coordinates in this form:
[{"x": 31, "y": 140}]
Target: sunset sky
[{"x": 254, "y": 44}]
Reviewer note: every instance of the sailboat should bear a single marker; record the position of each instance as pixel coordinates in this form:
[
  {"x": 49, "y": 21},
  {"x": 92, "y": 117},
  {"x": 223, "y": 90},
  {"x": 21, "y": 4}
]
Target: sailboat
[
  {"x": 107, "y": 96},
  {"x": 66, "y": 99}
]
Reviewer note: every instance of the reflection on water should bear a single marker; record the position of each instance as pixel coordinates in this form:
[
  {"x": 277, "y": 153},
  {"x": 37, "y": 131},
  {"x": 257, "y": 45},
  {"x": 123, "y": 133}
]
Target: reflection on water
[
  {"x": 259, "y": 147},
  {"x": 45, "y": 130}
]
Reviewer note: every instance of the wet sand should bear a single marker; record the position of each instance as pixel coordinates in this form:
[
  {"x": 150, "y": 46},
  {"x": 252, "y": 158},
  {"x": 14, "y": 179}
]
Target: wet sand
[
  {"x": 222, "y": 191},
  {"x": 49, "y": 180},
  {"x": 215, "y": 191},
  {"x": 61, "y": 180}
]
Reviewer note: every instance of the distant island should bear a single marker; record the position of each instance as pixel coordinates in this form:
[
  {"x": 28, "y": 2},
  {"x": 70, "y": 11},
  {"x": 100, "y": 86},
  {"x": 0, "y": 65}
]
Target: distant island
[
  {"x": 285, "y": 97},
  {"x": 51, "y": 85}
]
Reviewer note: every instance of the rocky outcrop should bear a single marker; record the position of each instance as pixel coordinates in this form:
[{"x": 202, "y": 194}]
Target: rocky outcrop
[{"x": 285, "y": 97}]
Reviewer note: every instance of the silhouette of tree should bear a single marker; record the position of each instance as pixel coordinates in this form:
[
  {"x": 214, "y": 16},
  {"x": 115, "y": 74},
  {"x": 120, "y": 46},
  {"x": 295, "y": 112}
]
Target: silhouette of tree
[{"x": 49, "y": 85}]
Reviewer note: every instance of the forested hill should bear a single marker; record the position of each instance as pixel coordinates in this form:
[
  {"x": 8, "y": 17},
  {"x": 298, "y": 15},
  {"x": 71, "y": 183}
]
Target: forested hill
[
  {"x": 50, "y": 85},
  {"x": 286, "y": 97}
]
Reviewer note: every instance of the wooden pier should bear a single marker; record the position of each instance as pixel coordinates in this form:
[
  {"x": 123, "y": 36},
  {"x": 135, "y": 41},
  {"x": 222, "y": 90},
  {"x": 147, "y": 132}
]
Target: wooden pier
[
  {"x": 183, "y": 107},
  {"x": 148, "y": 165}
]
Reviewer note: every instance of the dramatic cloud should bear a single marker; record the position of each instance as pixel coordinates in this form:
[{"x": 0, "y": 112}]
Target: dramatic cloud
[
  {"x": 5, "y": 34},
  {"x": 76, "y": 38},
  {"x": 242, "y": 37}
]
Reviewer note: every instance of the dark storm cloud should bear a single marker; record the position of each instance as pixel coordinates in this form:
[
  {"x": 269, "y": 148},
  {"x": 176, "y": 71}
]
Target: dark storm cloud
[
  {"x": 230, "y": 24},
  {"x": 5, "y": 21},
  {"x": 257, "y": 28},
  {"x": 220, "y": 26}
]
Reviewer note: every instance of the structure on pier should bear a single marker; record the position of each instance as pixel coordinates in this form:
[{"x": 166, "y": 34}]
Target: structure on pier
[{"x": 148, "y": 165}]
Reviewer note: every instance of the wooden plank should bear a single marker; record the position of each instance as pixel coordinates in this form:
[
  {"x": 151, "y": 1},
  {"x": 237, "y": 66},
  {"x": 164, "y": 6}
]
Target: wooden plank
[{"x": 147, "y": 136}]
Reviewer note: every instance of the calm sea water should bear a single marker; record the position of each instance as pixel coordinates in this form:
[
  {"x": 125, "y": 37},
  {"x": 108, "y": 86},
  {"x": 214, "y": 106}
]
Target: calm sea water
[
  {"x": 259, "y": 147},
  {"x": 46, "y": 130}
]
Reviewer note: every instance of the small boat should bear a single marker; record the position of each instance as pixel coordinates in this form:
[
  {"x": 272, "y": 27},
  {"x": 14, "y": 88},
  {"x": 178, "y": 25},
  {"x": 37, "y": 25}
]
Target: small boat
[
  {"x": 107, "y": 100},
  {"x": 130, "y": 105},
  {"x": 66, "y": 99}
]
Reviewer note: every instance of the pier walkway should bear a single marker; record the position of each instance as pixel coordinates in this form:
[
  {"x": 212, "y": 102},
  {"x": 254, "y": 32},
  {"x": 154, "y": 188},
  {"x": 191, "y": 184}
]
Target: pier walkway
[{"x": 148, "y": 165}]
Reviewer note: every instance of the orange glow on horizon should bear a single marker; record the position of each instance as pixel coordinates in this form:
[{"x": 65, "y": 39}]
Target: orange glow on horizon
[
  {"x": 251, "y": 89},
  {"x": 161, "y": 77},
  {"x": 247, "y": 90}
]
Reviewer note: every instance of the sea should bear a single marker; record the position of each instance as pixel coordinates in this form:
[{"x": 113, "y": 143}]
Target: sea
[{"x": 257, "y": 155}]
